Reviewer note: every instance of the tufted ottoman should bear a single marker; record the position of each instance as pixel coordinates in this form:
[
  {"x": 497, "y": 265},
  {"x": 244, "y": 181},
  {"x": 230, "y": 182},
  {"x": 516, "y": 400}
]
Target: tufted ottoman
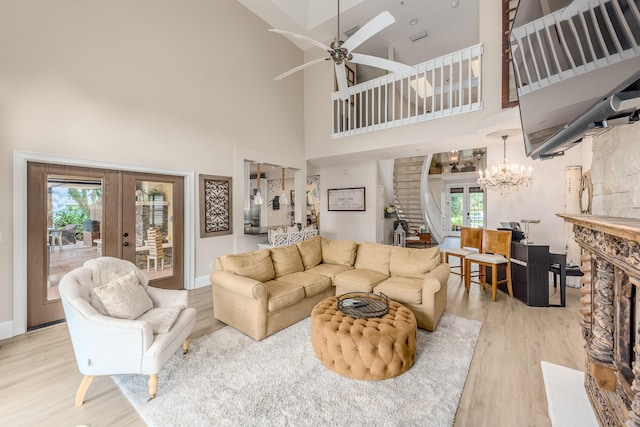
[{"x": 366, "y": 349}]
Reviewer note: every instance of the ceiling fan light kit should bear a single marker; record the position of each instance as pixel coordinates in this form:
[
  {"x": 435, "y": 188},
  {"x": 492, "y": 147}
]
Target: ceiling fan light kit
[{"x": 342, "y": 51}]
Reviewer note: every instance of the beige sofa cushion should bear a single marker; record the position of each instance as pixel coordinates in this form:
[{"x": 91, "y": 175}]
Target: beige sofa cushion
[
  {"x": 373, "y": 257},
  {"x": 402, "y": 289},
  {"x": 329, "y": 270},
  {"x": 340, "y": 252},
  {"x": 282, "y": 294},
  {"x": 359, "y": 280},
  {"x": 286, "y": 260},
  {"x": 124, "y": 297},
  {"x": 313, "y": 284},
  {"x": 407, "y": 262},
  {"x": 256, "y": 265},
  {"x": 310, "y": 251}
]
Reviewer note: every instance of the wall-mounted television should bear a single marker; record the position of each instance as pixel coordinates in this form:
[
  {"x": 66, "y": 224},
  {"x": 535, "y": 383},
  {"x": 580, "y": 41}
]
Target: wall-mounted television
[{"x": 577, "y": 69}]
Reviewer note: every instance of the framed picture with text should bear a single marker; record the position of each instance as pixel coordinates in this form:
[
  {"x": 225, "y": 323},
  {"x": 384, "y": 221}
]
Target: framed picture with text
[{"x": 346, "y": 199}]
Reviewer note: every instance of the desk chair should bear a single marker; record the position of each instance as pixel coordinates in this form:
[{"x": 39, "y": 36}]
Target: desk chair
[
  {"x": 470, "y": 243},
  {"x": 496, "y": 251},
  {"x": 558, "y": 266}
]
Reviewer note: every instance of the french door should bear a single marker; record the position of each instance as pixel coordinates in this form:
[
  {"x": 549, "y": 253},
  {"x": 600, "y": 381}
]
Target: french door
[
  {"x": 75, "y": 214},
  {"x": 465, "y": 207}
]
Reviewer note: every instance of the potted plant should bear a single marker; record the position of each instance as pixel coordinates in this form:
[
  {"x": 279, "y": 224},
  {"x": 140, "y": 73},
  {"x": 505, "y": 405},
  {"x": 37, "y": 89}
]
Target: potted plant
[{"x": 390, "y": 211}]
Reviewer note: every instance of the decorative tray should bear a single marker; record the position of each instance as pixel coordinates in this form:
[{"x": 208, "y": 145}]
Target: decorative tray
[{"x": 363, "y": 305}]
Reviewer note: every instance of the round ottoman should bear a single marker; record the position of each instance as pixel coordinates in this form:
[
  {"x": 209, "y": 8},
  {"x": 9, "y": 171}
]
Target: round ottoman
[{"x": 366, "y": 349}]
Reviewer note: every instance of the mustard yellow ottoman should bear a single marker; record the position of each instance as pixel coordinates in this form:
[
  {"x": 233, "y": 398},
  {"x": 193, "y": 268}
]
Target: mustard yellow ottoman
[{"x": 366, "y": 349}]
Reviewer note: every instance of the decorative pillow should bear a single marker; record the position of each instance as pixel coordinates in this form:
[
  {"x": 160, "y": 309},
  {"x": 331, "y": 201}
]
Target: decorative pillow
[
  {"x": 310, "y": 251},
  {"x": 286, "y": 260},
  {"x": 407, "y": 262},
  {"x": 162, "y": 318},
  {"x": 256, "y": 265},
  {"x": 373, "y": 257},
  {"x": 124, "y": 297},
  {"x": 339, "y": 252}
]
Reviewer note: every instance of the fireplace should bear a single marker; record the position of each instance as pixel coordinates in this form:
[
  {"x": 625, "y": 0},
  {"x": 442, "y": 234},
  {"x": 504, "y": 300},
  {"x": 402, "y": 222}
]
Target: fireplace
[{"x": 611, "y": 263}]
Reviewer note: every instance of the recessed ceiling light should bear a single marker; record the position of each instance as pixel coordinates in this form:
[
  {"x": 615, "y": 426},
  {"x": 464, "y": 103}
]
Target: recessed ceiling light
[
  {"x": 455, "y": 3},
  {"x": 414, "y": 21}
]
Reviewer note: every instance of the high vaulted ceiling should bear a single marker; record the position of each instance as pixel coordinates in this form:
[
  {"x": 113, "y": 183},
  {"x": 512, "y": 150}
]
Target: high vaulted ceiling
[{"x": 450, "y": 25}]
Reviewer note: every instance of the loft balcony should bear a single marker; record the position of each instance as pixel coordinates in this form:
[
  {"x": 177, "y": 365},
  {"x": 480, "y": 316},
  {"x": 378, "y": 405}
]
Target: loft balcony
[{"x": 441, "y": 87}]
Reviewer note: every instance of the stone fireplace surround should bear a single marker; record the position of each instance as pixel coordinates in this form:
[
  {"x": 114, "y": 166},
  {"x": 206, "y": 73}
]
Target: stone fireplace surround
[{"x": 610, "y": 326}]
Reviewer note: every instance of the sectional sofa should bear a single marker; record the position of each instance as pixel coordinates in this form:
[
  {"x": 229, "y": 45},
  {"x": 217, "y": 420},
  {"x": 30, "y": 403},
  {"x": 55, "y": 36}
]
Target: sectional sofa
[{"x": 264, "y": 291}]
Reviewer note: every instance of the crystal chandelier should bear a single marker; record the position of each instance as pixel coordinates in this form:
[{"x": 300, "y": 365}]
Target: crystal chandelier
[{"x": 505, "y": 177}]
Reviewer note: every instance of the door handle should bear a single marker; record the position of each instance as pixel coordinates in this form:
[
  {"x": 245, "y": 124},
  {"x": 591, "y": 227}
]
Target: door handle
[
  {"x": 125, "y": 244},
  {"x": 125, "y": 235}
]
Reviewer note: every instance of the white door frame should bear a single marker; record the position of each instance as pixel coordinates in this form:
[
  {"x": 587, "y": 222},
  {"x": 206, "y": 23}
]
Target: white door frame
[{"x": 20, "y": 261}]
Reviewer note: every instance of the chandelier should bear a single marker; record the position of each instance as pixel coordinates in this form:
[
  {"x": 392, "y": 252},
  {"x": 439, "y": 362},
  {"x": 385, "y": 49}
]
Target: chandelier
[
  {"x": 283, "y": 199},
  {"x": 258, "y": 197},
  {"x": 506, "y": 177}
]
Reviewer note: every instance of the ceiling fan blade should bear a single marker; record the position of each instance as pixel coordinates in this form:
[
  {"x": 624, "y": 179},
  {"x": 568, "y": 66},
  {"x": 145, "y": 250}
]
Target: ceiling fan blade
[
  {"x": 300, "y": 67},
  {"x": 301, "y": 37},
  {"x": 385, "y": 64},
  {"x": 341, "y": 77},
  {"x": 372, "y": 27}
]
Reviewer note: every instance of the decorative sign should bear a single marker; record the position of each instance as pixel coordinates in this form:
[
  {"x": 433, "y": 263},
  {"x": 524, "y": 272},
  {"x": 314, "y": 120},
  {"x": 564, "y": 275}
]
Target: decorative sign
[
  {"x": 346, "y": 199},
  {"x": 215, "y": 206}
]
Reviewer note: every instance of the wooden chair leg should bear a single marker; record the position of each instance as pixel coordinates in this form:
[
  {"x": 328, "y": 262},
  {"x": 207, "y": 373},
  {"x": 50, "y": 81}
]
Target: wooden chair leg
[
  {"x": 494, "y": 282},
  {"x": 509, "y": 284},
  {"x": 84, "y": 385},
  {"x": 185, "y": 345},
  {"x": 467, "y": 275},
  {"x": 153, "y": 385}
]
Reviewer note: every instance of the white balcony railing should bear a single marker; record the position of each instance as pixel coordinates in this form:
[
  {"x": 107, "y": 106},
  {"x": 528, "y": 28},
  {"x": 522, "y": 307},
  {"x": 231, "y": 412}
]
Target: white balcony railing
[
  {"x": 558, "y": 47},
  {"x": 441, "y": 87}
]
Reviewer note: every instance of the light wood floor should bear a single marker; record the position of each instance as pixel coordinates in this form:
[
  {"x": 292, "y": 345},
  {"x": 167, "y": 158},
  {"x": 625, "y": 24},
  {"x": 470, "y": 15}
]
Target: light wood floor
[{"x": 39, "y": 376}]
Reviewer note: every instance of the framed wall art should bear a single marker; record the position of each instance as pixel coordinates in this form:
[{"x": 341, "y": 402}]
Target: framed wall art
[
  {"x": 346, "y": 199},
  {"x": 215, "y": 206}
]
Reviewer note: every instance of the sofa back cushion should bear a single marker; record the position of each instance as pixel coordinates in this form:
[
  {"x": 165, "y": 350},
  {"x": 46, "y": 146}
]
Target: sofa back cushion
[
  {"x": 286, "y": 260},
  {"x": 310, "y": 251},
  {"x": 256, "y": 265},
  {"x": 407, "y": 262},
  {"x": 373, "y": 257},
  {"x": 339, "y": 252}
]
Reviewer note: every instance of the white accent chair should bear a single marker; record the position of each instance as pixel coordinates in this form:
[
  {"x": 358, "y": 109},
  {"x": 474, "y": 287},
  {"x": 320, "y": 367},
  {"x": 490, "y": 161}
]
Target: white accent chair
[{"x": 105, "y": 345}]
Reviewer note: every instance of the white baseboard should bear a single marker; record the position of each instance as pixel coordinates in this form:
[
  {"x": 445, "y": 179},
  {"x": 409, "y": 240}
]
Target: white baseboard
[
  {"x": 201, "y": 282},
  {"x": 6, "y": 329}
]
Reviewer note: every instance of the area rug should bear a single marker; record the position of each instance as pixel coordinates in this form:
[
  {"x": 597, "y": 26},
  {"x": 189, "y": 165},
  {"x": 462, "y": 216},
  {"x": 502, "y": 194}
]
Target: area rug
[
  {"x": 228, "y": 379},
  {"x": 567, "y": 398}
]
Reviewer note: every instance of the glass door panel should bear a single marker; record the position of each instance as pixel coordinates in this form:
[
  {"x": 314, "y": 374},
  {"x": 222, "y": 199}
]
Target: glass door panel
[
  {"x": 466, "y": 207},
  {"x": 475, "y": 217},
  {"x": 153, "y": 226},
  {"x": 456, "y": 210},
  {"x": 73, "y": 219}
]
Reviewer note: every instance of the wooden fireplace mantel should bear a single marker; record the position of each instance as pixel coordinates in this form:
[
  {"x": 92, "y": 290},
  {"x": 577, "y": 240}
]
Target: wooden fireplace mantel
[{"x": 611, "y": 320}]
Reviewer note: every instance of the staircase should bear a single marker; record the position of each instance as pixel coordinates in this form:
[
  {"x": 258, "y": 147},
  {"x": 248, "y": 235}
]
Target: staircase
[
  {"x": 413, "y": 198},
  {"x": 407, "y": 175}
]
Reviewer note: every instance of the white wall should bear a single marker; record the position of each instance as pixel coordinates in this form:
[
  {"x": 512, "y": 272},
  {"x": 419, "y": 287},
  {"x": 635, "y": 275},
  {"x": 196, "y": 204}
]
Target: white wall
[
  {"x": 151, "y": 84},
  {"x": 358, "y": 226}
]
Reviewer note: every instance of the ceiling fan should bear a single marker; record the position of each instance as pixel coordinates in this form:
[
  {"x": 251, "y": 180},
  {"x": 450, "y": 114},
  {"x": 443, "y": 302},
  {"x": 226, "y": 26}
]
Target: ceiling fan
[{"x": 342, "y": 52}]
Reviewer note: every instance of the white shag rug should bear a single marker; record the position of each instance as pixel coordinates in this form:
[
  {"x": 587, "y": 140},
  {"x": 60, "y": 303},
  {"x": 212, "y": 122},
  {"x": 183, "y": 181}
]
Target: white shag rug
[
  {"x": 567, "y": 398},
  {"x": 228, "y": 379}
]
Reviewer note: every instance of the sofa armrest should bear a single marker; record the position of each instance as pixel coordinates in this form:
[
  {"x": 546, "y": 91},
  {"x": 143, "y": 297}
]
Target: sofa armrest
[
  {"x": 440, "y": 273},
  {"x": 241, "y": 285},
  {"x": 168, "y": 297}
]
